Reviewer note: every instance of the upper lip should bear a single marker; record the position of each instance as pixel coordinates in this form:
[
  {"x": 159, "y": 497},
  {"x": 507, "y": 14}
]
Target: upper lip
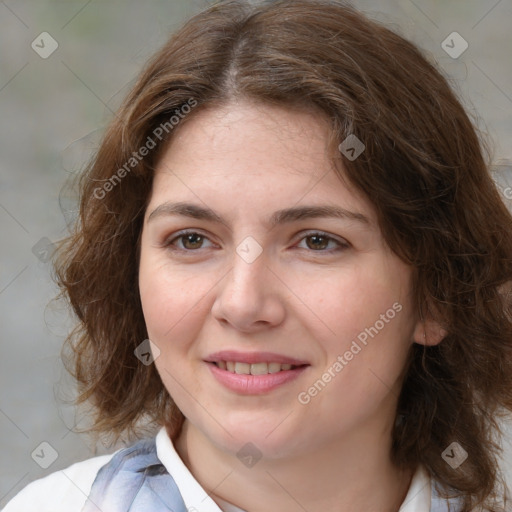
[{"x": 253, "y": 357}]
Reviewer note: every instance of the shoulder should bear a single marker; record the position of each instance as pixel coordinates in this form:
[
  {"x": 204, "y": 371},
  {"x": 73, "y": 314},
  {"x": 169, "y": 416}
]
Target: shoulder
[{"x": 62, "y": 491}]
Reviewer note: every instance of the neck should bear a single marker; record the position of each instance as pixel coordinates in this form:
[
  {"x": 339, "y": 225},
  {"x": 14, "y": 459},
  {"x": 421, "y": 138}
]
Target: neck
[{"x": 351, "y": 474}]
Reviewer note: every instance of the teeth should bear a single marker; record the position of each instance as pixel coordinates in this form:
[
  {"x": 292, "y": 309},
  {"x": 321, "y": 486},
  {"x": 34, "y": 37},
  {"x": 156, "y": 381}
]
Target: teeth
[
  {"x": 244, "y": 368},
  {"x": 252, "y": 369},
  {"x": 259, "y": 369},
  {"x": 274, "y": 367}
]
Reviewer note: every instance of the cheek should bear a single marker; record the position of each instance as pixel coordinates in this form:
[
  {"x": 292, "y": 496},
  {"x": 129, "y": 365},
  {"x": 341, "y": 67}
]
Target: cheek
[
  {"x": 362, "y": 377},
  {"x": 169, "y": 317},
  {"x": 370, "y": 324},
  {"x": 173, "y": 313},
  {"x": 345, "y": 303},
  {"x": 175, "y": 302},
  {"x": 171, "y": 300}
]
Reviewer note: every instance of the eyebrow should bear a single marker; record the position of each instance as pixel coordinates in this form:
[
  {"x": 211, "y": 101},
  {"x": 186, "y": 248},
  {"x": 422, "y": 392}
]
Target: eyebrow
[{"x": 284, "y": 216}]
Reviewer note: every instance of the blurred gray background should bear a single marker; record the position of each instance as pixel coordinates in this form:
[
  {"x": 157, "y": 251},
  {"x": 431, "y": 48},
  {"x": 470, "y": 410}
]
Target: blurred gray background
[{"x": 52, "y": 111}]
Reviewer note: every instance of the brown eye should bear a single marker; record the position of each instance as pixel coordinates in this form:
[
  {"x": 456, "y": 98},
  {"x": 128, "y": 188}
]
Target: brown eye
[
  {"x": 187, "y": 241},
  {"x": 317, "y": 242},
  {"x": 192, "y": 241},
  {"x": 322, "y": 243}
]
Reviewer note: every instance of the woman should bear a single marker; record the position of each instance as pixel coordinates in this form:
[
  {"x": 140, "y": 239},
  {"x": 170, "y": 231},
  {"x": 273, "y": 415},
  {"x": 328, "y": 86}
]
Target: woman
[{"x": 291, "y": 258}]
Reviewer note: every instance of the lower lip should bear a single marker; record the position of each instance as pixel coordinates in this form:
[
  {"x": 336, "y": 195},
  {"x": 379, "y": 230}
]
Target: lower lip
[{"x": 254, "y": 384}]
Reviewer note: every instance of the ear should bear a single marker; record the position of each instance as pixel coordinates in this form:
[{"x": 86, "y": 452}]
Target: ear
[{"x": 429, "y": 333}]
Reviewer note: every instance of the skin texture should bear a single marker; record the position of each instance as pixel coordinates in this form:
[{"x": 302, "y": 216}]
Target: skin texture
[{"x": 301, "y": 297}]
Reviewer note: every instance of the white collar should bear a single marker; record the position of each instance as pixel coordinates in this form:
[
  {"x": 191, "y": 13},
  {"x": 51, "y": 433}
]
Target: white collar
[
  {"x": 197, "y": 499},
  {"x": 419, "y": 495},
  {"x": 194, "y": 496}
]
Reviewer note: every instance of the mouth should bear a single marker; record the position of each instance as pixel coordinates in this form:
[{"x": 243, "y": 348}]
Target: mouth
[{"x": 254, "y": 373}]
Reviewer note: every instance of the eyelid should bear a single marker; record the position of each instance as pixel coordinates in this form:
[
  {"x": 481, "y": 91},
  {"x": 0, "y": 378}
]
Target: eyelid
[{"x": 342, "y": 242}]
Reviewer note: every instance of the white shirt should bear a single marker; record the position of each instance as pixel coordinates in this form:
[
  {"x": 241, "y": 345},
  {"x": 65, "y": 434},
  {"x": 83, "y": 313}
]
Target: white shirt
[{"x": 67, "y": 490}]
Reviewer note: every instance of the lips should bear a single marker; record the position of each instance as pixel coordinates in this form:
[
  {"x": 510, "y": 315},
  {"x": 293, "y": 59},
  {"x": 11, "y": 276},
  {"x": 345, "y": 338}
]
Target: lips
[{"x": 254, "y": 373}]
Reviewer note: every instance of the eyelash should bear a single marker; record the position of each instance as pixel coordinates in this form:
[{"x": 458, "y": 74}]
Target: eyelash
[{"x": 169, "y": 243}]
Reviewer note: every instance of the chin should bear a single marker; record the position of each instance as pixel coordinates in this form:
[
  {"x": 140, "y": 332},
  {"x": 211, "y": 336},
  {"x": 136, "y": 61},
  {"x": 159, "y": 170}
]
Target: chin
[{"x": 270, "y": 439}]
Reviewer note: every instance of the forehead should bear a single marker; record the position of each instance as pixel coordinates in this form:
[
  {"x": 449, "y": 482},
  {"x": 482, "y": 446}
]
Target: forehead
[
  {"x": 255, "y": 133},
  {"x": 254, "y": 151}
]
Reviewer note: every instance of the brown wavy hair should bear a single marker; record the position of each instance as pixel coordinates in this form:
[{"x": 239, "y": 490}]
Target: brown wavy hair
[{"x": 424, "y": 168}]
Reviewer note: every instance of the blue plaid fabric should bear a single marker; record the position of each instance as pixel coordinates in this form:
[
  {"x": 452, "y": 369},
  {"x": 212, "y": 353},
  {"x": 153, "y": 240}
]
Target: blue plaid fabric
[{"x": 135, "y": 481}]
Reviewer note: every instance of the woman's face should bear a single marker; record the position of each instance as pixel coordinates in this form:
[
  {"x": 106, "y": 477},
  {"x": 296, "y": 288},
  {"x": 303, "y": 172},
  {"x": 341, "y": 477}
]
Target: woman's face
[{"x": 281, "y": 263}]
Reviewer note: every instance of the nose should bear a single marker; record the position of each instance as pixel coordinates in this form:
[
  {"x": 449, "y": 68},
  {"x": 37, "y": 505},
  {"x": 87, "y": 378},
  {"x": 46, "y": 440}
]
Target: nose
[{"x": 250, "y": 297}]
